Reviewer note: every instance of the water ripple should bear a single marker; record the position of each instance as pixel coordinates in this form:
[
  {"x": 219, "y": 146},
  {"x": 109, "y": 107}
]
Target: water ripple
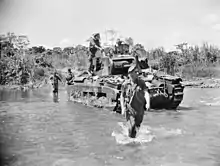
[{"x": 37, "y": 131}]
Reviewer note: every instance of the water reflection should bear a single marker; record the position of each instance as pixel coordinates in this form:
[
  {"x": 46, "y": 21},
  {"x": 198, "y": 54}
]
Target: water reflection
[
  {"x": 25, "y": 94},
  {"x": 55, "y": 97},
  {"x": 14, "y": 95}
]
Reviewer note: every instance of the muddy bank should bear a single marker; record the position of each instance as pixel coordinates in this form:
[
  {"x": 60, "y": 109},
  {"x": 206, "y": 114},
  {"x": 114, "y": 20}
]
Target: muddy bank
[
  {"x": 195, "y": 83},
  {"x": 45, "y": 80},
  {"x": 37, "y": 83},
  {"x": 190, "y": 83},
  {"x": 202, "y": 83},
  {"x": 31, "y": 85}
]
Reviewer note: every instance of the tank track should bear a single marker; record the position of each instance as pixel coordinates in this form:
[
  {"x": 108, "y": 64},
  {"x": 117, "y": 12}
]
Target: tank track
[
  {"x": 177, "y": 96},
  {"x": 174, "y": 90}
]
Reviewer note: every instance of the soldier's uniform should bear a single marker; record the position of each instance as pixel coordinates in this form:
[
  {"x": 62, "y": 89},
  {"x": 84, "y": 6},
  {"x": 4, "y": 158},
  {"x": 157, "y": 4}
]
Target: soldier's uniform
[
  {"x": 133, "y": 96},
  {"x": 56, "y": 78},
  {"x": 118, "y": 46},
  {"x": 69, "y": 77},
  {"x": 92, "y": 48}
]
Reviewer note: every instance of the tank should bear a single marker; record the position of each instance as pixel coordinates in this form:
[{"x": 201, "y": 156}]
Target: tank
[{"x": 104, "y": 88}]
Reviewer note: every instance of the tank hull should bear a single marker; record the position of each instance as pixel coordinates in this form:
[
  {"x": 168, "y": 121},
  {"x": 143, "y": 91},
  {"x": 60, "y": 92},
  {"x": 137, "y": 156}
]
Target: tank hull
[
  {"x": 169, "y": 96},
  {"x": 166, "y": 91}
]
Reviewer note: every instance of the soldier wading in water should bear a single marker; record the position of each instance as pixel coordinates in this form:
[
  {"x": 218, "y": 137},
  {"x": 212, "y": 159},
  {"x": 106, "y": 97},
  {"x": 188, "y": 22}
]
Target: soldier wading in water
[
  {"x": 69, "y": 81},
  {"x": 135, "y": 100},
  {"x": 56, "y": 79}
]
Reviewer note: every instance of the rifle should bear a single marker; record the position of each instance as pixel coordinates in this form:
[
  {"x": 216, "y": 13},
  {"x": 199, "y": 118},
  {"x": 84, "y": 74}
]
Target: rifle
[{"x": 129, "y": 109}]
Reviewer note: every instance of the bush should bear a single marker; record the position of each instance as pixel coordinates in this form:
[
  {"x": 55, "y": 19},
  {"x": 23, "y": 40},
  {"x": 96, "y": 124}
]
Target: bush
[
  {"x": 194, "y": 61},
  {"x": 189, "y": 62},
  {"x": 197, "y": 70},
  {"x": 168, "y": 62}
]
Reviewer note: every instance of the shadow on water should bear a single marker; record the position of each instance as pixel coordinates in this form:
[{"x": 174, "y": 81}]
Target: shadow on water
[
  {"x": 180, "y": 108},
  {"x": 28, "y": 95},
  {"x": 185, "y": 108},
  {"x": 161, "y": 110}
]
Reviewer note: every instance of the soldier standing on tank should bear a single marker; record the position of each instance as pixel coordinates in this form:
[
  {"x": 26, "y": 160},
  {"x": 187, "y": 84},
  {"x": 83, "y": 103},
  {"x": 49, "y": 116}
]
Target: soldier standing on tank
[
  {"x": 130, "y": 88},
  {"x": 118, "y": 46},
  {"x": 70, "y": 77},
  {"x": 94, "y": 46}
]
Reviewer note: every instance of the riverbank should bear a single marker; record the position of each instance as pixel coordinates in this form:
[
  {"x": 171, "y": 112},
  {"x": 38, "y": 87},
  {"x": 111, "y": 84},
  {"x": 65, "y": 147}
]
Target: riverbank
[
  {"x": 202, "y": 83},
  {"x": 193, "y": 83},
  {"x": 196, "y": 82},
  {"x": 31, "y": 85}
]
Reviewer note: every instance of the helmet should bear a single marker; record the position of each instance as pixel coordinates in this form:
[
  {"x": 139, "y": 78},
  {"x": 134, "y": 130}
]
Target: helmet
[{"x": 96, "y": 34}]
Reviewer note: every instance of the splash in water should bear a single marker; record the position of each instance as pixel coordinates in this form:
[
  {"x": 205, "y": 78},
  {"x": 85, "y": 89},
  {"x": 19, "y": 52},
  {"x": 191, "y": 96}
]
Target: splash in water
[
  {"x": 121, "y": 136},
  {"x": 146, "y": 134}
]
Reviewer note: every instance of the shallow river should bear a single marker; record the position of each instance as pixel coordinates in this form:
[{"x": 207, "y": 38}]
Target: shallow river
[{"x": 37, "y": 130}]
